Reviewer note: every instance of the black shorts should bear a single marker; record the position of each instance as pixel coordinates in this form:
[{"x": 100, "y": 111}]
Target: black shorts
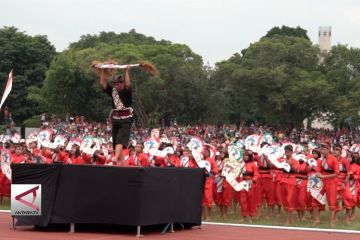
[{"x": 121, "y": 131}]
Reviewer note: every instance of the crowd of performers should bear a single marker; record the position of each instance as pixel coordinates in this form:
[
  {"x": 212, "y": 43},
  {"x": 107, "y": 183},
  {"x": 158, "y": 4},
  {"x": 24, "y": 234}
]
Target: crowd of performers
[{"x": 335, "y": 153}]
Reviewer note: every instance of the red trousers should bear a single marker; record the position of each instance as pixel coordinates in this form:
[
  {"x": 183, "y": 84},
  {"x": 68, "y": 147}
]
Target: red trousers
[
  {"x": 5, "y": 185},
  {"x": 288, "y": 190},
  {"x": 224, "y": 197},
  {"x": 277, "y": 193},
  {"x": 346, "y": 197},
  {"x": 208, "y": 193},
  {"x": 301, "y": 194},
  {"x": 309, "y": 199},
  {"x": 330, "y": 188},
  {"x": 248, "y": 202},
  {"x": 277, "y": 186},
  {"x": 266, "y": 188}
]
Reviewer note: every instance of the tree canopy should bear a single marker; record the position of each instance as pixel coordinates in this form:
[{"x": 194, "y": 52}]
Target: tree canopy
[
  {"x": 29, "y": 57},
  {"x": 287, "y": 31}
]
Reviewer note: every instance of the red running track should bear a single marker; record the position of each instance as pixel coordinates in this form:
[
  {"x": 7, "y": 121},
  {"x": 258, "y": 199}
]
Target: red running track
[{"x": 207, "y": 232}]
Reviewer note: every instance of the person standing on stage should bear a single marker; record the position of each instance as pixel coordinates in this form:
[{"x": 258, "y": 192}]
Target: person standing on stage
[{"x": 122, "y": 113}]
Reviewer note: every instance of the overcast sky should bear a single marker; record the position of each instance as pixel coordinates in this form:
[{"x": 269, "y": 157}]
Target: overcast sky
[{"x": 214, "y": 29}]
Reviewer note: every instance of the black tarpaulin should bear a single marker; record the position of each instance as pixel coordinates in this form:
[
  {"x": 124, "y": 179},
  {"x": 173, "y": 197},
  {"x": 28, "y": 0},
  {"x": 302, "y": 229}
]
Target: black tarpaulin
[{"x": 113, "y": 195}]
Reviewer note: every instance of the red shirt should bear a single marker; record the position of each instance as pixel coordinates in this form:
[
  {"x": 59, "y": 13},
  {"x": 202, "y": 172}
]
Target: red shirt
[
  {"x": 290, "y": 178},
  {"x": 344, "y": 167},
  {"x": 329, "y": 165},
  {"x": 214, "y": 169},
  {"x": 303, "y": 170},
  {"x": 139, "y": 159},
  {"x": 63, "y": 156},
  {"x": 250, "y": 171},
  {"x": 18, "y": 158},
  {"x": 77, "y": 160}
]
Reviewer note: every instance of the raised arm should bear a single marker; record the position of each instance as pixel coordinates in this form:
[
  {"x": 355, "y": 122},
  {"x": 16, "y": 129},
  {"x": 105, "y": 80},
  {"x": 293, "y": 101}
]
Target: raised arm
[
  {"x": 102, "y": 79},
  {"x": 127, "y": 78}
]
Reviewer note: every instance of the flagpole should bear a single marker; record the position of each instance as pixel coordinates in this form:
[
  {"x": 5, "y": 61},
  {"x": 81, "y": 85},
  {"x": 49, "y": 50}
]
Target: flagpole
[{"x": 7, "y": 88}]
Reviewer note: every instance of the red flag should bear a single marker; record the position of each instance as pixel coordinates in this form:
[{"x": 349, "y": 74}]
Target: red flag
[{"x": 7, "y": 89}]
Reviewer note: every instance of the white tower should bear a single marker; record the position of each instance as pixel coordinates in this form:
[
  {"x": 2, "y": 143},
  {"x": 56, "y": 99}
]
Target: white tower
[{"x": 325, "y": 38}]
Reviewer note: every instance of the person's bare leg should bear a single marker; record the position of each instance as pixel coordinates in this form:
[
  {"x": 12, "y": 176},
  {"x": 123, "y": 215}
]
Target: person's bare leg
[
  {"x": 271, "y": 211},
  {"x": 278, "y": 213},
  {"x": 332, "y": 218},
  {"x": 347, "y": 216},
  {"x": 288, "y": 218},
  {"x": 118, "y": 154},
  {"x": 225, "y": 210},
  {"x": 208, "y": 213},
  {"x": 352, "y": 215},
  {"x": 203, "y": 213},
  {"x": 316, "y": 215}
]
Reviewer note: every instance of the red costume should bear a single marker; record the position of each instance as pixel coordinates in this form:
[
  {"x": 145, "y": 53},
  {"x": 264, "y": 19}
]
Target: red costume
[
  {"x": 208, "y": 194},
  {"x": 301, "y": 186},
  {"x": 329, "y": 166},
  {"x": 138, "y": 159},
  {"x": 265, "y": 185},
  {"x": 248, "y": 198},
  {"x": 288, "y": 186}
]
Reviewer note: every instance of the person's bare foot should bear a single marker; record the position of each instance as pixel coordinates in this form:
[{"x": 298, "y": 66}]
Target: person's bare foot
[
  {"x": 315, "y": 223},
  {"x": 332, "y": 224},
  {"x": 243, "y": 219},
  {"x": 250, "y": 220},
  {"x": 258, "y": 216}
]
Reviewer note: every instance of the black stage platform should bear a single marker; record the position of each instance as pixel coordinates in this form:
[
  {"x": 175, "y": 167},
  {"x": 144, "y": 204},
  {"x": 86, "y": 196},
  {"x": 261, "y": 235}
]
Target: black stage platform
[{"x": 113, "y": 195}]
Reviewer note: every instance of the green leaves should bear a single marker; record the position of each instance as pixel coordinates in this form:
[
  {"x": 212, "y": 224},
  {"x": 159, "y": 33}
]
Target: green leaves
[
  {"x": 30, "y": 58},
  {"x": 274, "y": 81}
]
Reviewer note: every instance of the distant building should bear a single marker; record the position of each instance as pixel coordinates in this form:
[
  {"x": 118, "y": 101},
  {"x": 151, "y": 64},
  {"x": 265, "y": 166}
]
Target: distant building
[
  {"x": 325, "y": 38},
  {"x": 325, "y": 47}
]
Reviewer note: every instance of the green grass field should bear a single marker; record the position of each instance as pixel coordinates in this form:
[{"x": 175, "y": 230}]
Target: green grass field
[
  {"x": 5, "y": 205},
  {"x": 274, "y": 221},
  {"x": 280, "y": 220}
]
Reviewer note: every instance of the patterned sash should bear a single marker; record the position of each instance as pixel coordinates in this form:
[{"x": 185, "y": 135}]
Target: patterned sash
[
  {"x": 298, "y": 181},
  {"x": 325, "y": 165},
  {"x": 352, "y": 186},
  {"x": 185, "y": 161},
  {"x": 219, "y": 184},
  {"x": 136, "y": 160},
  {"x": 119, "y": 106},
  {"x": 262, "y": 158},
  {"x": 219, "y": 165},
  {"x": 117, "y": 101},
  {"x": 341, "y": 167},
  {"x": 54, "y": 157}
]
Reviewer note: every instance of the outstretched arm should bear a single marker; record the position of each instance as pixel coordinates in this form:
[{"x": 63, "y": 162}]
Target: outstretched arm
[
  {"x": 127, "y": 78},
  {"x": 102, "y": 79}
]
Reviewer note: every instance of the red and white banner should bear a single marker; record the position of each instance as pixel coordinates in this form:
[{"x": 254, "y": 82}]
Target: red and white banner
[{"x": 7, "y": 89}]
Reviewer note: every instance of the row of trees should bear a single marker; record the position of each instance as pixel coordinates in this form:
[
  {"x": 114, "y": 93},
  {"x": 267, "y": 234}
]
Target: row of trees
[{"x": 281, "y": 79}]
